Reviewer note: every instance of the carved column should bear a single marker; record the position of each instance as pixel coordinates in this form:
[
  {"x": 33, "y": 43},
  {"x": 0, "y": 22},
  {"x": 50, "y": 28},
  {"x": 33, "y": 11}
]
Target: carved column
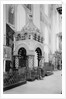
[
  {"x": 16, "y": 62},
  {"x": 31, "y": 61},
  {"x": 30, "y": 74},
  {"x": 36, "y": 60}
]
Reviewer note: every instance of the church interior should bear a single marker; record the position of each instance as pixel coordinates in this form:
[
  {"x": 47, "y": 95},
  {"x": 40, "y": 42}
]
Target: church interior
[{"x": 32, "y": 41}]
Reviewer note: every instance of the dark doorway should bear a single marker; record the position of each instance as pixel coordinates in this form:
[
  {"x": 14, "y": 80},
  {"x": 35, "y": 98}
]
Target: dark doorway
[
  {"x": 22, "y": 57},
  {"x": 7, "y": 66},
  {"x": 39, "y": 54}
]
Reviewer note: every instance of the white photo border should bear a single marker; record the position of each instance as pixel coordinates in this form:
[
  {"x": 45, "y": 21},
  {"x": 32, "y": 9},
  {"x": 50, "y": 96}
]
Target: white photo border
[{"x": 17, "y": 96}]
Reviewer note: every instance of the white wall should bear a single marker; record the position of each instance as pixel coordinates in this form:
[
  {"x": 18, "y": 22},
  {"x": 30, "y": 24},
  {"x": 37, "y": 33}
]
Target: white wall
[
  {"x": 21, "y": 17},
  {"x": 56, "y": 27},
  {"x": 46, "y": 43},
  {"x": 46, "y": 9},
  {"x": 53, "y": 33},
  {"x": 36, "y": 15},
  {"x": 45, "y": 31},
  {"x": 49, "y": 32}
]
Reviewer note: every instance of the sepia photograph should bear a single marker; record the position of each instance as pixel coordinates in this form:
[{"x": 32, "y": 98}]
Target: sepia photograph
[{"x": 32, "y": 49}]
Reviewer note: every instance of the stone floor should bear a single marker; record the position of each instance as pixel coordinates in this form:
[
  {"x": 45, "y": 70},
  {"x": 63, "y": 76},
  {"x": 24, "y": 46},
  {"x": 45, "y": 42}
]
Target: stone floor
[{"x": 49, "y": 85}]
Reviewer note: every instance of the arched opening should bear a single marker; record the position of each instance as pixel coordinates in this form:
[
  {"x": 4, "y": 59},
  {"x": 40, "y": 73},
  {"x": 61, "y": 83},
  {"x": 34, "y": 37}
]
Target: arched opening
[
  {"x": 22, "y": 57},
  {"x": 39, "y": 55}
]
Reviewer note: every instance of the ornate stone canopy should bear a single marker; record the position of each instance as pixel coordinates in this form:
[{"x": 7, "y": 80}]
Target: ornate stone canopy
[
  {"x": 29, "y": 31},
  {"x": 30, "y": 28}
]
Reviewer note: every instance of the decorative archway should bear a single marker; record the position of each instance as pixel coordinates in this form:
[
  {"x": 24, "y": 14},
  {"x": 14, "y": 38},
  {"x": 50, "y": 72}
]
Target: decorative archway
[
  {"x": 39, "y": 55},
  {"x": 20, "y": 45},
  {"x": 22, "y": 57}
]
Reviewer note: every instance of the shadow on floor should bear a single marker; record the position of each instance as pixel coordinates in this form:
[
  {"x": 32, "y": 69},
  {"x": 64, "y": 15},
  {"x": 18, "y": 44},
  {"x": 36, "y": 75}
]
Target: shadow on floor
[{"x": 49, "y": 73}]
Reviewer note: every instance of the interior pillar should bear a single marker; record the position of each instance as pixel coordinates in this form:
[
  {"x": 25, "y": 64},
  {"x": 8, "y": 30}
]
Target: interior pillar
[
  {"x": 16, "y": 62},
  {"x": 4, "y": 63},
  {"x": 31, "y": 61}
]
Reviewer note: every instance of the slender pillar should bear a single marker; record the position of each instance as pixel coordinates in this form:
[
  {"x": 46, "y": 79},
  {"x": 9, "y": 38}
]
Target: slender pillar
[
  {"x": 4, "y": 36},
  {"x": 4, "y": 64},
  {"x": 4, "y": 24},
  {"x": 31, "y": 61},
  {"x": 42, "y": 61},
  {"x": 36, "y": 60},
  {"x": 14, "y": 43},
  {"x": 16, "y": 62},
  {"x": 56, "y": 63}
]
